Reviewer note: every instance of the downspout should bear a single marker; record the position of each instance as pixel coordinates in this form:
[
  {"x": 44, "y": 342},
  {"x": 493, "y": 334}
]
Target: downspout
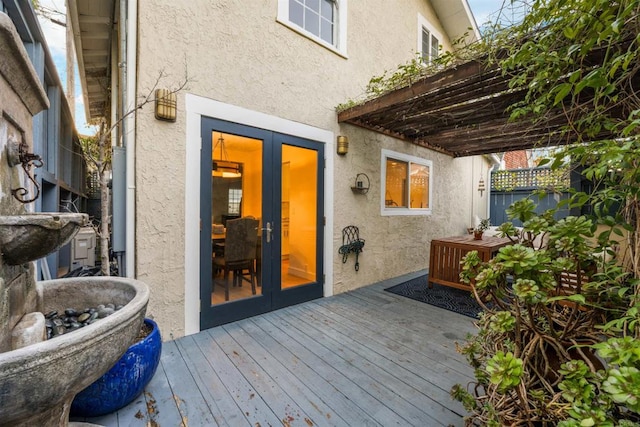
[
  {"x": 130, "y": 126},
  {"x": 115, "y": 88},
  {"x": 120, "y": 141},
  {"x": 122, "y": 69},
  {"x": 118, "y": 177}
]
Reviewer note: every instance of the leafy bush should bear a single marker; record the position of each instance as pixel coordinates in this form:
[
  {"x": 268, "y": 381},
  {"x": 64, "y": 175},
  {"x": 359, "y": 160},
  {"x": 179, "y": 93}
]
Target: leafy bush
[
  {"x": 545, "y": 308},
  {"x": 576, "y": 314}
]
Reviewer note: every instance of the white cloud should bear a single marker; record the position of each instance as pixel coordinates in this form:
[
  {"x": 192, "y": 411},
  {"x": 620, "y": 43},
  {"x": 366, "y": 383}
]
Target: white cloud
[{"x": 53, "y": 33}]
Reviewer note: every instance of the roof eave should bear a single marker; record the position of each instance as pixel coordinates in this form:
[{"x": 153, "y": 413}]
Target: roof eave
[
  {"x": 88, "y": 20},
  {"x": 457, "y": 19}
]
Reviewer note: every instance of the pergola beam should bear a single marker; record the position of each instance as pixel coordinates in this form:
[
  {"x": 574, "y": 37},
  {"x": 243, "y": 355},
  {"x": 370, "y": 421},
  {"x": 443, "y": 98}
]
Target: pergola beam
[
  {"x": 464, "y": 110},
  {"x": 426, "y": 85}
]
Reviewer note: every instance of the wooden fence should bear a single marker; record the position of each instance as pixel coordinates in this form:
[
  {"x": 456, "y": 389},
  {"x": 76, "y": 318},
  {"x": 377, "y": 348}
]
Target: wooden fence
[{"x": 509, "y": 186}]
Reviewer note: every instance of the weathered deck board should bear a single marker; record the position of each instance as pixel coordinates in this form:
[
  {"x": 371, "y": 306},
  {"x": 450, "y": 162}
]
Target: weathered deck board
[
  {"x": 371, "y": 395},
  {"x": 437, "y": 371},
  {"x": 308, "y": 353},
  {"x": 266, "y": 394},
  {"x": 365, "y": 358},
  {"x": 411, "y": 399},
  {"x": 295, "y": 386},
  {"x": 214, "y": 399},
  {"x": 423, "y": 335},
  {"x": 175, "y": 399},
  {"x": 341, "y": 407},
  {"x": 435, "y": 385}
]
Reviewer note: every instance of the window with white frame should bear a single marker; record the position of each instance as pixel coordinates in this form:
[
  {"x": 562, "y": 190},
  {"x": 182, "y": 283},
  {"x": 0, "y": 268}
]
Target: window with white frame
[
  {"x": 235, "y": 198},
  {"x": 429, "y": 40},
  {"x": 323, "y": 21},
  {"x": 406, "y": 184}
]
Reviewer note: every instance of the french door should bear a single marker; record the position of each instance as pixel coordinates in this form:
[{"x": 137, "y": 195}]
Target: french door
[{"x": 277, "y": 181}]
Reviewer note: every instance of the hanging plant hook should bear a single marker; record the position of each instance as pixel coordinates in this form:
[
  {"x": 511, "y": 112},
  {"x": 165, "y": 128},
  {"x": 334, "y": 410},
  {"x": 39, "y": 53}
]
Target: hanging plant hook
[
  {"x": 27, "y": 160},
  {"x": 351, "y": 243}
]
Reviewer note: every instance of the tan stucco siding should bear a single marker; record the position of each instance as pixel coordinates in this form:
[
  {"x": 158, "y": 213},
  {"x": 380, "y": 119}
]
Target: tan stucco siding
[{"x": 242, "y": 56}]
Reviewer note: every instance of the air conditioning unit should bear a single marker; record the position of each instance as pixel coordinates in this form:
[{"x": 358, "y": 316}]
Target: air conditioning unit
[{"x": 83, "y": 248}]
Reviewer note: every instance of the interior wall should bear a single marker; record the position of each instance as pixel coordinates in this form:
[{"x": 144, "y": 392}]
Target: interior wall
[{"x": 303, "y": 208}]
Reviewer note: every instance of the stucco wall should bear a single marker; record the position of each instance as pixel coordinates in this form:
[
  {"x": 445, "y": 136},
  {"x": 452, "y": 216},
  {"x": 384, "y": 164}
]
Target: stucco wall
[
  {"x": 21, "y": 97},
  {"x": 241, "y": 56},
  {"x": 394, "y": 245}
]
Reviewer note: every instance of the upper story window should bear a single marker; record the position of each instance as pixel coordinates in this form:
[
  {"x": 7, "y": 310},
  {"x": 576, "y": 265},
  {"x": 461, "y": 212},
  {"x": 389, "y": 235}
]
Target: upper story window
[
  {"x": 429, "y": 40},
  {"x": 323, "y": 21},
  {"x": 407, "y": 182},
  {"x": 315, "y": 16}
]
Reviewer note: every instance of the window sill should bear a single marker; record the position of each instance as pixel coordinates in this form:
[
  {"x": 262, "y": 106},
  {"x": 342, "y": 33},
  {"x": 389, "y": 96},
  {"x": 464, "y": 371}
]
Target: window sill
[
  {"x": 405, "y": 212},
  {"x": 307, "y": 35}
]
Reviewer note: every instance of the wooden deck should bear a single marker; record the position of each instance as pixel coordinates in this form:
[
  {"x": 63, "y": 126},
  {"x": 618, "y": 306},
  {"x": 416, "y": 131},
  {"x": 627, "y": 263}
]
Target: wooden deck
[{"x": 362, "y": 358}]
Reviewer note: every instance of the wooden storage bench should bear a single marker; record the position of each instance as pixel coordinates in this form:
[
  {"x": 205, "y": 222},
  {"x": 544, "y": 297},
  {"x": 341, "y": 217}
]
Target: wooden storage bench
[{"x": 446, "y": 254}]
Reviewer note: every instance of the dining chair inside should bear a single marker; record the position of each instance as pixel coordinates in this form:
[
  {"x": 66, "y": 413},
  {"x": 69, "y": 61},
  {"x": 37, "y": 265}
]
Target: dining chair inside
[{"x": 239, "y": 253}]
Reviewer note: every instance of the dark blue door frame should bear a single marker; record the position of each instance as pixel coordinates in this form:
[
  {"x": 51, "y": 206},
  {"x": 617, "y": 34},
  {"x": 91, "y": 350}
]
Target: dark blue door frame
[{"x": 273, "y": 297}]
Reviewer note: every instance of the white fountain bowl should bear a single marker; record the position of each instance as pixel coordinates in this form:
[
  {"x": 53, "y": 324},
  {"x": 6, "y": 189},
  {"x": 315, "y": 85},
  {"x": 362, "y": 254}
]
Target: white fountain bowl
[
  {"x": 31, "y": 236},
  {"x": 38, "y": 382}
]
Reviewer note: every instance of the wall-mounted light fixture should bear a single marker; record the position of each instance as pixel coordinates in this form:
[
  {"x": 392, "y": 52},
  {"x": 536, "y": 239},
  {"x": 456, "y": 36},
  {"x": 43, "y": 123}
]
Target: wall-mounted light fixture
[
  {"x": 166, "y": 105},
  {"x": 343, "y": 145},
  {"x": 481, "y": 187}
]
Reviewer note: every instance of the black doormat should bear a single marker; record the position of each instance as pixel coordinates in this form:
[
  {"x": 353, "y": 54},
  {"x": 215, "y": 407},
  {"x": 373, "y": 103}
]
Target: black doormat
[{"x": 452, "y": 299}]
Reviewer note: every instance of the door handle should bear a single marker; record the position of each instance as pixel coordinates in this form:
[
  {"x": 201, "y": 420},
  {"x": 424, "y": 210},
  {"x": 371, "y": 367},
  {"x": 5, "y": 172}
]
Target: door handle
[{"x": 268, "y": 229}]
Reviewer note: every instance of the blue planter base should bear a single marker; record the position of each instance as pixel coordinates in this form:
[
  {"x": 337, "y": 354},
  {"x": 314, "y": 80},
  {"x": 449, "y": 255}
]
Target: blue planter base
[{"x": 124, "y": 381}]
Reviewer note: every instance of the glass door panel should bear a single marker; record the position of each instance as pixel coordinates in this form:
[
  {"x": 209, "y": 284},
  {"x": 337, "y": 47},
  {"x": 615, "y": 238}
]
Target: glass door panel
[
  {"x": 298, "y": 207},
  {"x": 299, "y": 216},
  {"x": 236, "y": 194}
]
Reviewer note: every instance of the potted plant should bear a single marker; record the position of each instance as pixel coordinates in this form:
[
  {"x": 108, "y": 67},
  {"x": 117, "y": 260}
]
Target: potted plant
[
  {"x": 480, "y": 228},
  {"x": 126, "y": 379},
  {"x": 549, "y": 349}
]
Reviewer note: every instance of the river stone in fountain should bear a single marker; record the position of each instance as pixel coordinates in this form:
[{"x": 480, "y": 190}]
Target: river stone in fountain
[
  {"x": 28, "y": 237},
  {"x": 58, "y": 323}
]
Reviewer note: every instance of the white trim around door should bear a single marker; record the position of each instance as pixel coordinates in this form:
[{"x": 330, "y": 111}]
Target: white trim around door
[{"x": 196, "y": 108}]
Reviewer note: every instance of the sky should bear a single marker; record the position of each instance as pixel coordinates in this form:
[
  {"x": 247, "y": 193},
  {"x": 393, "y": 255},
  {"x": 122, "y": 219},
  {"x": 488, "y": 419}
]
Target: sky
[
  {"x": 55, "y": 36},
  {"x": 483, "y": 10},
  {"x": 501, "y": 11}
]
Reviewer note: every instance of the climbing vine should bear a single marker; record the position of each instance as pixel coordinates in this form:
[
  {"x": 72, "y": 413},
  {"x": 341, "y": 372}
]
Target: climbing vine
[
  {"x": 416, "y": 68},
  {"x": 578, "y": 61}
]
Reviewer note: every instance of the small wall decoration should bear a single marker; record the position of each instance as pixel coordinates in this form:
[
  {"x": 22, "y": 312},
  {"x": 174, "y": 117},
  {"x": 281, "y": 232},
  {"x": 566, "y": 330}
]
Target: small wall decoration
[
  {"x": 351, "y": 243},
  {"x": 362, "y": 184}
]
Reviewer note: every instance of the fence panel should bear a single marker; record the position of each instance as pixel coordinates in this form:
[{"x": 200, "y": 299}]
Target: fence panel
[
  {"x": 500, "y": 201},
  {"x": 508, "y": 187}
]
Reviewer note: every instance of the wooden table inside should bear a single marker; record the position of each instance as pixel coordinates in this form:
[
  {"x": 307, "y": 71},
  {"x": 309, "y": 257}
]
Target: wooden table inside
[{"x": 446, "y": 254}]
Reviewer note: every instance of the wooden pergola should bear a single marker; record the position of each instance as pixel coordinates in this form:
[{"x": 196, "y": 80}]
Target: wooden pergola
[{"x": 460, "y": 111}]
